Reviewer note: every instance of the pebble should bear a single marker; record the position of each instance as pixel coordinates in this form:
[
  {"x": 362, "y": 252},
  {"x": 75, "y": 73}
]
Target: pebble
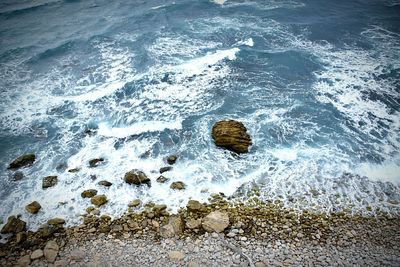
[{"x": 37, "y": 254}]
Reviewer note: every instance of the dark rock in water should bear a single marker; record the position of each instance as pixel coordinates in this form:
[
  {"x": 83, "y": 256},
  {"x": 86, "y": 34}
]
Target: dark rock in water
[
  {"x": 178, "y": 186},
  {"x": 75, "y": 170},
  {"x": 105, "y": 183},
  {"x": 165, "y": 169},
  {"x": 136, "y": 177},
  {"x": 231, "y": 135},
  {"x": 56, "y": 221},
  {"x": 93, "y": 177},
  {"x": 172, "y": 159},
  {"x": 162, "y": 179},
  {"x": 61, "y": 167},
  {"x": 90, "y": 132},
  {"x": 99, "y": 200},
  {"x": 18, "y": 176},
  {"x": 49, "y": 181},
  {"x": 89, "y": 193},
  {"x": 194, "y": 205},
  {"x": 22, "y": 161},
  {"x": 14, "y": 225},
  {"x": 46, "y": 230},
  {"x": 33, "y": 207},
  {"x": 95, "y": 162}
]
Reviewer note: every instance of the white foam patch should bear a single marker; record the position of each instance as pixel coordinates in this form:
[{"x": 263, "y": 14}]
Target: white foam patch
[
  {"x": 137, "y": 128},
  {"x": 248, "y": 42},
  {"x": 219, "y": 2}
]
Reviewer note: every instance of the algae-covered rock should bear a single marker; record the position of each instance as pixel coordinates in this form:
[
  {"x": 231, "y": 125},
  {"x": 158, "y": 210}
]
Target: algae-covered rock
[
  {"x": 33, "y": 207},
  {"x": 178, "y": 186},
  {"x": 172, "y": 159},
  {"x": 89, "y": 193},
  {"x": 136, "y": 177},
  {"x": 232, "y": 135},
  {"x": 99, "y": 200},
  {"x": 22, "y": 161},
  {"x": 216, "y": 221},
  {"x": 49, "y": 181},
  {"x": 14, "y": 225}
]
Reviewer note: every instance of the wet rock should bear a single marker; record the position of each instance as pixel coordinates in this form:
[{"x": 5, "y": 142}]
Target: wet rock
[
  {"x": 75, "y": 170},
  {"x": 172, "y": 159},
  {"x": 216, "y": 221},
  {"x": 105, "y": 183},
  {"x": 50, "y": 251},
  {"x": 174, "y": 227},
  {"x": 159, "y": 209},
  {"x": 165, "y": 169},
  {"x": 194, "y": 205},
  {"x": 162, "y": 179},
  {"x": 89, "y": 193},
  {"x": 37, "y": 254},
  {"x": 18, "y": 176},
  {"x": 56, "y": 221},
  {"x": 95, "y": 162},
  {"x": 176, "y": 255},
  {"x": 135, "y": 203},
  {"x": 33, "y": 207},
  {"x": 21, "y": 237},
  {"x": 49, "y": 181},
  {"x": 99, "y": 200},
  {"x": 136, "y": 177},
  {"x": 14, "y": 225},
  {"x": 22, "y": 161},
  {"x": 231, "y": 135},
  {"x": 178, "y": 186}
]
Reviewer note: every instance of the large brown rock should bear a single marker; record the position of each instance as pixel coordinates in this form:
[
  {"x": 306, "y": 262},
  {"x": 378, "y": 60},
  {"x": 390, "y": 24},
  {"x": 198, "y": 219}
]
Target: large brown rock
[
  {"x": 99, "y": 200},
  {"x": 231, "y": 135},
  {"x": 33, "y": 207},
  {"x": 49, "y": 181},
  {"x": 216, "y": 221},
  {"x": 174, "y": 227},
  {"x": 14, "y": 225},
  {"x": 89, "y": 193},
  {"x": 22, "y": 161},
  {"x": 136, "y": 177}
]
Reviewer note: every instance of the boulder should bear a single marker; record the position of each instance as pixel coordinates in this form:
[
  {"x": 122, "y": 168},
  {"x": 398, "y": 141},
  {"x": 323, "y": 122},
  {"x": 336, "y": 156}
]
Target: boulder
[
  {"x": 99, "y": 200},
  {"x": 95, "y": 162},
  {"x": 14, "y": 225},
  {"x": 135, "y": 203},
  {"x": 162, "y": 179},
  {"x": 136, "y": 177},
  {"x": 77, "y": 255},
  {"x": 159, "y": 209},
  {"x": 89, "y": 193},
  {"x": 231, "y": 135},
  {"x": 194, "y": 205},
  {"x": 172, "y": 159},
  {"x": 49, "y": 181},
  {"x": 178, "y": 186},
  {"x": 56, "y": 221},
  {"x": 105, "y": 183},
  {"x": 216, "y": 221},
  {"x": 22, "y": 161},
  {"x": 174, "y": 227},
  {"x": 33, "y": 207},
  {"x": 50, "y": 251},
  {"x": 193, "y": 224},
  {"x": 165, "y": 169}
]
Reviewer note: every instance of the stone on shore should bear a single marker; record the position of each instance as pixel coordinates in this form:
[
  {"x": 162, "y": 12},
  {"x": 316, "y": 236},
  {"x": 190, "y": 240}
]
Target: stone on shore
[
  {"x": 33, "y": 207},
  {"x": 172, "y": 159},
  {"x": 24, "y": 261},
  {"x": 194, "y": 205},
  {"x": 22, "y": 161},
  {"x": 89, "y": 193},
  {"x": 50, "y": 251},
  {"x": 14, "y": 225},
  {"x": 105, "y": 183},
  {"x": 136, "y": 177},
  {"x": 56, "y": 221},
  {"x": 178, "y": 186},
  {"x": 176, "y": 255},
  {"x": 135, "y": 203},
  {"x": 99, "y": 200},
  {"x": 216, "y": 221},
  {"x": 231, "y": 135},
  {"x": 21, "y": 237},
  {"x": 174, "y": 227},
  {"x": 49, "y": 181},
  {"x": 37, "y": 254},
  {"x": 77, "y": 255}
]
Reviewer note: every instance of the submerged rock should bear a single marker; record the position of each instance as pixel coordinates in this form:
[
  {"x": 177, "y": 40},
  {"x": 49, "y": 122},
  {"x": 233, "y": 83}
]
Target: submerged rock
[
  {"x": 14, "y": 225},
  {"x": 172, "y": 159},
  {"x": 95, "y": 162},
  {"x": 75, "y": 170},
  {"x": 18, "y": 176},
  {"x": 136, "y": 177},
  {"x": 89, "y": 193},
  {"x": 99, "y": 200},
  {"x": 33, "y": 207},
  {"x": 231, "y": 135},
  {"x": 216, "y": 221},
  {"x": 162, "y": 179},
  {"x": 165, "y": 169},
  {"x": 22, "y": 161},
  {"x": 105, "y": 183},
  {"x": 49, "y": 181},
  {"x": 178, "y": 186}
]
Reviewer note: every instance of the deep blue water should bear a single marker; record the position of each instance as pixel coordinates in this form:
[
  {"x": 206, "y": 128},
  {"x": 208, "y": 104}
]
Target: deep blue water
[{"x": 317, "y": 84}]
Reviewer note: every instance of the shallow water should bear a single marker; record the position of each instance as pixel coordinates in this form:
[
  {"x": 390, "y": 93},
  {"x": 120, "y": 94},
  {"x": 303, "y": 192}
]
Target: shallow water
[{"x": 316, "y": 84}]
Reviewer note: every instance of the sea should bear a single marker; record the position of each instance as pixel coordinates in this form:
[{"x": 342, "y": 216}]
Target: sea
[{"x": 315, "y": 82}]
